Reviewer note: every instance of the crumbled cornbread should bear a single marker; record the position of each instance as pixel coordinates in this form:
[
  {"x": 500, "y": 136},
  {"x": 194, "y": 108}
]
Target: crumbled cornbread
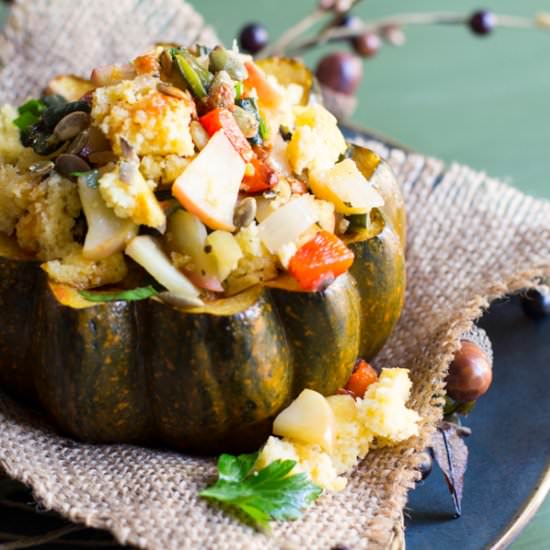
[
  {"x": 380, "y": 417},
  {"x": 163, "y": 170},
  {"x": 46, "y": 228},
  {"x": 77, "y": 271},
  {"x": 151, "y": 122},
  {"x": 317, "y": 142},
  {"x": 10, "y": 144},
  {"x": 132, "y": 197}
]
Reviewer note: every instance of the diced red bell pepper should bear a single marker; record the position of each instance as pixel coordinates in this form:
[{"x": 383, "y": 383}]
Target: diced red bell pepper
[
  {"x": 268, "y": 95},
  {"x": 362, "y": 377},
  {"x": 218, "y": 119},
  {"x": 263, "y": 178},
  {"x": 319, "y": 261}
]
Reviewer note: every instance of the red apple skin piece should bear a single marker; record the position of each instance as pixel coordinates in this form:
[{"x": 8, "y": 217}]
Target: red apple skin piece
[
  {"x": 207, "y": 282},
  {"x": 209, "y": 185}
]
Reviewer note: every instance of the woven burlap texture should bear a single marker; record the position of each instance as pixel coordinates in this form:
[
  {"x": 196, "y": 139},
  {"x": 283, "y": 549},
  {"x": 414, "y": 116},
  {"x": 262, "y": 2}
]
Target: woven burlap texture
[{"x": 471, "y": 239}]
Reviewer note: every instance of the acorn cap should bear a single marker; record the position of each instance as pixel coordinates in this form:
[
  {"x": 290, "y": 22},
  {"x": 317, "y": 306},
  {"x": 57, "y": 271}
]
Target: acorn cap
[{"x": 479, "y": 337}]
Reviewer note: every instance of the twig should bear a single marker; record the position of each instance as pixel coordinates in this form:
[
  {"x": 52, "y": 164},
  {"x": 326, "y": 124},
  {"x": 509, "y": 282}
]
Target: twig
[
  {"x": 279, "y": 46},
  {"x": 405, "y": 19},
  {"x": 27, "y": 542}
]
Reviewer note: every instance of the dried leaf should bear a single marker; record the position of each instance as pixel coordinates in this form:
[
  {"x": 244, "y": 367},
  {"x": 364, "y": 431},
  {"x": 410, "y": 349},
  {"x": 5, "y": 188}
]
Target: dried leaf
[{"x": 451, "y": 454}]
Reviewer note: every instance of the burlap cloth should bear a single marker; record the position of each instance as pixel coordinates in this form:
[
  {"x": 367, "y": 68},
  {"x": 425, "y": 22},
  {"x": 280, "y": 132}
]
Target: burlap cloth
[{"x": 471, "y": 240}]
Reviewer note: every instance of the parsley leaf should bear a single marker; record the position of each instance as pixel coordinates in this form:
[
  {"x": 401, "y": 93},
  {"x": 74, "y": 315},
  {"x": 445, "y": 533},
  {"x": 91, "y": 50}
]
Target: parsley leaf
[
  {"x": 270, "y": 493},
  {"x": 29, "y": 113},
  {"x": 141, "y": 293}
]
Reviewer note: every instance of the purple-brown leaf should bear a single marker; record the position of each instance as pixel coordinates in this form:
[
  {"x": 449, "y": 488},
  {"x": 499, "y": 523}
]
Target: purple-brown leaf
[{"x": 451, "y": 454}]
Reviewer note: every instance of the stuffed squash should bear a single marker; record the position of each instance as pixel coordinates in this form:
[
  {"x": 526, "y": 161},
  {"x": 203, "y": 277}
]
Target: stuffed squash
[{"x": 187, "y": 243}]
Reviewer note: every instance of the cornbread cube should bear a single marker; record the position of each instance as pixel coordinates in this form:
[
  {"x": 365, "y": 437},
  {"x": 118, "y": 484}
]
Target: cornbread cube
[{"x": 151, "y": 122}]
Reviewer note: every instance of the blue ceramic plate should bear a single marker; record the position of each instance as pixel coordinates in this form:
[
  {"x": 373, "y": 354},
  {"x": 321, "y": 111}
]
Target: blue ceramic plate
[{"x": 508, "y": 472}]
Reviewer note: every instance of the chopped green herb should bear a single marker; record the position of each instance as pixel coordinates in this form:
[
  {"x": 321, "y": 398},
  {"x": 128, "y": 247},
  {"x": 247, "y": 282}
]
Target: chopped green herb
[
  {"x": 25, "y": 120},
  {"x": 136, "y": 294},
  {"x": 250, "y": 105},
  {"x": 34, "y": 106},
  {"x": 263, "y": 130},
  {"x": 239, "y": 89},
  {"x": 270, "y": 493},
  {"x": 91, "y": 177}
]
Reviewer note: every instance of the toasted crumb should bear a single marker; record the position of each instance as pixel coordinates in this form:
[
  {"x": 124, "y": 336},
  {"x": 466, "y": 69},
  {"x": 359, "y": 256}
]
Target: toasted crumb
[
  {"x": 77, "y": 271},
  {"x": 150, "y": 121}
]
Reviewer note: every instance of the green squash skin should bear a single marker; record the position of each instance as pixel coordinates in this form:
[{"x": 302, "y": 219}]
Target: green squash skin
[
  {"x": 19, "y": 288},
  {"x": 90, "y": 375},
  {"x": 379, "y": 271},
  {"x": 217, "y": 381},
  {"x": 323, "y": 333},
  {"x": 146, "y": 372}
]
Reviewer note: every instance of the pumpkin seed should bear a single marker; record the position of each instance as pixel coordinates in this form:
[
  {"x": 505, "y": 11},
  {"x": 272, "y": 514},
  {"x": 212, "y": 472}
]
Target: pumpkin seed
[
  {"x": 102, "y": 157},
  {"x": 42, "y": 167},
  {"x": 97, "y": 141},
  {"x": 68, "y": 164},
  {"x": 78, "y": 143},
  {"x": 245, "y": 212},
  {"x": 71, "y": 125},
  {"x": 170, "y": 90},
  {"x": 166, "y": 62}
]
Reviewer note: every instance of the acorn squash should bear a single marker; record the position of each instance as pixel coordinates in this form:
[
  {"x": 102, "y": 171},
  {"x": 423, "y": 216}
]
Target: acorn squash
[{"x": 209, "y": 378}]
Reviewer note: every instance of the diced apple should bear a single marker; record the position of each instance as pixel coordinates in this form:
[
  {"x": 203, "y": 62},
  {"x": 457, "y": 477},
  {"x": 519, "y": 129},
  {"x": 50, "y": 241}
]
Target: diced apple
[
  {"x": 209, "y": 185},
  {"x": 226, "y": 252},
  {"x": 111, "y": 74},
  {"x": 286, "y": 224},
  {"x": 147, "y": 252},
  {"x": 309, "y": 419},
  {"x": 346, "y": 188},
  {"x": 107, "y": 233}
]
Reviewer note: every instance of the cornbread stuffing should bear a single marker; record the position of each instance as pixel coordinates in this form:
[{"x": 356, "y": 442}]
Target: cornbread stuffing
[
  {"x": 77, "y": 271},
  {"x": 151, "y": 122},
  {"x": 381, "y": 417},
  {"x": 46, "y": 228}
]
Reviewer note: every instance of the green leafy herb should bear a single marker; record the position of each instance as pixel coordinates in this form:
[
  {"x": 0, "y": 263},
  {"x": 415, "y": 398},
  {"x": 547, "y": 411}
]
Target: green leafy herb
[
  {"x": 250, "y": 105},
  {"x": 263, "y": 130},
  {"x": 239, "y": 89},
  {"x": 25, "y": 120},
  {"x": 90, "y": 177},
  {"x": 270, "y": 493},
  {"x": 29, "y": 113},
  {"x": 39, "y": 133},
  {"x": 136, "y": 294}
]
